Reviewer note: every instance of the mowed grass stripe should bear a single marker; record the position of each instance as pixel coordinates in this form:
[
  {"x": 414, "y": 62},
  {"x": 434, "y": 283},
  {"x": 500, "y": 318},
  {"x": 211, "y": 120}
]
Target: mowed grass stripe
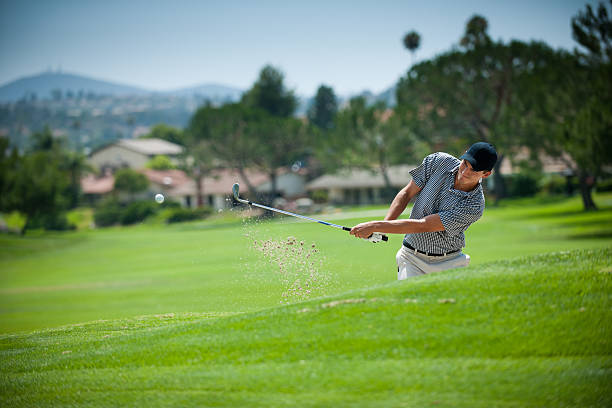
[
  {"x": 446, "y": 382},
  {"x": 52, "y": 279},
  {"x": 535, "y": 331}
]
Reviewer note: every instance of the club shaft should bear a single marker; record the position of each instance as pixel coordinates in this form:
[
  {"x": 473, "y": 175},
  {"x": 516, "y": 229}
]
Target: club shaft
[{"x": 265, "y": 207}]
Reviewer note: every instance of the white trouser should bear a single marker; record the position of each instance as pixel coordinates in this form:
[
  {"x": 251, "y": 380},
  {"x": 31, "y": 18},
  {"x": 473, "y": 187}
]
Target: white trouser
[{"x": 411, "y": 263}]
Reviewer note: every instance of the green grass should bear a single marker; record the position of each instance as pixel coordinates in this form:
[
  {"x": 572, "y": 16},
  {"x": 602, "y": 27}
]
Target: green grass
[
  {"x": 535, "y": 331},
  {"x": 189, "y": 315},
  {"x": 49, "y": 279}
]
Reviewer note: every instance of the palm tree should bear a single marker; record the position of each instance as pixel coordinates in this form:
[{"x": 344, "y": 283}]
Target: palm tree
[{"x": 412, "y": 40}]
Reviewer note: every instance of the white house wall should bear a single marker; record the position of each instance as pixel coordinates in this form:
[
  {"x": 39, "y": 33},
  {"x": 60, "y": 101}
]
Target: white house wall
[
  {"x": 290, "y": 184},
  {"x": 117, "y": 156}
]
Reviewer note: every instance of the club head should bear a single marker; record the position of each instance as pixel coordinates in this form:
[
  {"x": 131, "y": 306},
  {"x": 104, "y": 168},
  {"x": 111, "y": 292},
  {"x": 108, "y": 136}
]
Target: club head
[{"x": 235, "y": 189}]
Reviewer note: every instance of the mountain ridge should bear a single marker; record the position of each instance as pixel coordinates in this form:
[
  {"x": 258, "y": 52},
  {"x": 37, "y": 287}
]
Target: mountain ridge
[{"x": 44, "y": 85}]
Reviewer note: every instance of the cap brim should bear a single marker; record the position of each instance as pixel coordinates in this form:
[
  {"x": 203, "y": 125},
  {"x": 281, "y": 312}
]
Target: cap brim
[{"x": 469, "y": 158}]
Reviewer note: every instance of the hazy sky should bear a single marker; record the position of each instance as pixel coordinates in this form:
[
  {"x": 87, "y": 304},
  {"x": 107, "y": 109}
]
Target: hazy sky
[{"x": 349, "y": 45}]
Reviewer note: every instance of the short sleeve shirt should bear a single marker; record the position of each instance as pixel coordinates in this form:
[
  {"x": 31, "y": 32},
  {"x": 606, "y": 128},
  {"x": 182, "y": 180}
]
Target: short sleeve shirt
[{"x": 457, "y": 209}]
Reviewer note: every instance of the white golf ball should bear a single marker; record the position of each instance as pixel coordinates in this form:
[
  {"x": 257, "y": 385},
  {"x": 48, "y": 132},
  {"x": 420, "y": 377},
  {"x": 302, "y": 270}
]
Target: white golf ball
[{"x": 159, "y": 198}]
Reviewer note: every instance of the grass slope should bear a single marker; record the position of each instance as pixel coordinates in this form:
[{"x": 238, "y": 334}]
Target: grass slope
[
  {"x": 53, "y": 279},
  {"x": 534, "y": 331}
]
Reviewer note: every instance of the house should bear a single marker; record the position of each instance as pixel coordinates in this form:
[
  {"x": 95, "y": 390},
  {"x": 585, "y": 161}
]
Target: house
[
  {"x": 160, "y": 181},
  {"x": 165, "y": 181},
  {"x": 216, "y": 188},
  {"x": 562, "y": 165},
  {"x": 94, "y": 188},
  {"x": 358, "y": 186},
  {"x": 133, "y": 153}
]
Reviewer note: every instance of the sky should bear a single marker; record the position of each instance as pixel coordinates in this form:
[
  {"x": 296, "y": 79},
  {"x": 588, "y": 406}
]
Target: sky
[{"x": 349, "y": 45}]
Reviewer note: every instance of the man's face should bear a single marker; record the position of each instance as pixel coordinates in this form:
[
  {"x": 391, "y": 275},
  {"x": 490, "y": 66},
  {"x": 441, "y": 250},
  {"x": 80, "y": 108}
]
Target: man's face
[{"x": 466, "y": 174}]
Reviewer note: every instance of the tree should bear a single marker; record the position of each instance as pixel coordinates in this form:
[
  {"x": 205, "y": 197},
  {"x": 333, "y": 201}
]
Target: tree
[
  {"x": 227, "y": 133},
  {"x": 370, "y": 137},
  {"x": 130, "y": 181},
  {"x": 324, "y": 108},
  {"x": 572, "y": 98},
  {"x": 160, "y": 162},
  {"x": 587, "y": 131},
  {"x": 165, "y": 132},
  {"x": 38, "y": 184},
  {"x": 412, "y": 41},
  {"x": 282, "y": 142},
  {"x": 269, "y": 94},
  {"x": 470, "y": 94},
  {"x": 475, "y": 34}
]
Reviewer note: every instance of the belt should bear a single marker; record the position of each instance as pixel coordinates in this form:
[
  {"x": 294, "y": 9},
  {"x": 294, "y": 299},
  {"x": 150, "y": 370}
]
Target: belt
[{"x": 428, "y": 253}]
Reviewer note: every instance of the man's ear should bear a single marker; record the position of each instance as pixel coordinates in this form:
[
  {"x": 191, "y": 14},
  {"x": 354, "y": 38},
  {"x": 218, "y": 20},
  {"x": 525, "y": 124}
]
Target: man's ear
[{"x": 486, "y": 174}]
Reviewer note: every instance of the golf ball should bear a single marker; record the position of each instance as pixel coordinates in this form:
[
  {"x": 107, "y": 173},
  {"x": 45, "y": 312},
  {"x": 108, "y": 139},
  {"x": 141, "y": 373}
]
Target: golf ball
[{"x": 159, "y": 198}]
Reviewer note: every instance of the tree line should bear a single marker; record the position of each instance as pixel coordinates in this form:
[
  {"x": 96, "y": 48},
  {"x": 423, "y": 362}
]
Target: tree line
[{"x": 516, "y": 95}]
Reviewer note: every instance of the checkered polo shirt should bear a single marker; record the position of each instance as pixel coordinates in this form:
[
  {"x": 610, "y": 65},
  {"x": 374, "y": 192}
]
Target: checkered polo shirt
[{"x": 457, "y": 209}]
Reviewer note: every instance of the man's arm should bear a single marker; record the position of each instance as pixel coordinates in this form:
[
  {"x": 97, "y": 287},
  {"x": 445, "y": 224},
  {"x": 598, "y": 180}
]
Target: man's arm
[
  {"x": 401, "y": 200},
  {"x": 430, "y": 223}
]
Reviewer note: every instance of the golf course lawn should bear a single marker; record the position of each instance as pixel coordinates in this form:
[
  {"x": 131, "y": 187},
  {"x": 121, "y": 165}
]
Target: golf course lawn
[{"x": 191, "y": 315}]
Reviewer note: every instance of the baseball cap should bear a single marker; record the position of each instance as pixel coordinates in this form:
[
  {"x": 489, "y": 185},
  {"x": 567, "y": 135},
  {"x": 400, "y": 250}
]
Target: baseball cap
[{"x": 481, "y": 155}]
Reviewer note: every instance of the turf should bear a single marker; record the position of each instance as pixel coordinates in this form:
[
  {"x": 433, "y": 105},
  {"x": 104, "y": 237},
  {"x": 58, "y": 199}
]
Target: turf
[
  {"x": 48, "y": 280},
  {"x": 533, "y": 331},
  {"x": 189, "y": 315}
]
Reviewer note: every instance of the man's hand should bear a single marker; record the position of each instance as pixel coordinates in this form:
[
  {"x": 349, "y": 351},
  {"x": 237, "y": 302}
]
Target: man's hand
[{"x": 363, "y": 230}]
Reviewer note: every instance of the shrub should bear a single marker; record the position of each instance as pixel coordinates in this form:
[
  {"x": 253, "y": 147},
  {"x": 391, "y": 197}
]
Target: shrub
[
  {"x": 555, "y": 184},
  {"x": 187, "y": 214},
  {"x": 521, "y": 185},
  {"x": 319, "y": 196},
  {"x": 604, "y": 185},
  {"x": 51, "y": 222},
  {"x": 108, "y": 213},
  {"x": 138, "y": 211}
]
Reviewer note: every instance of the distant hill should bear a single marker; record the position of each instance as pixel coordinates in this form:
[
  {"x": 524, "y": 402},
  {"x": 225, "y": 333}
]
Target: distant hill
[
  {"x": 210, "y": 91},
  {"x": 42, "y": 86}
]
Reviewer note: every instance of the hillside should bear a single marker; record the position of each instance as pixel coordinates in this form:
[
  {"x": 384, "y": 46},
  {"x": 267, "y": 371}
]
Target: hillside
[
  {"x": 534, "y": 331},
  {"x": 47, "y": 85},
  {"x": 41, "y": 86}
]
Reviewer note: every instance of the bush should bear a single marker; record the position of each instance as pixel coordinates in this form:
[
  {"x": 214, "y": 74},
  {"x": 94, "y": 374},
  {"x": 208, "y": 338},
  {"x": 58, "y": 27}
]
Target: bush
[
  {"x": 319, "y": 196},
  {"x": 51, "y": 222},
  {"x": 108, "y": 213},
  {"x": 604, "y": 185},
  {"x": 521, "y": 184},
  {"x": 555, "y": 184},
  {"x": 187, "y": 214},
  {"x": 138, "y": 211}
]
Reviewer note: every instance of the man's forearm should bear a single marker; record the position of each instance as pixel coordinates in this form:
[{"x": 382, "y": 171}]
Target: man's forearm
[{"x": 409, "y": 226}]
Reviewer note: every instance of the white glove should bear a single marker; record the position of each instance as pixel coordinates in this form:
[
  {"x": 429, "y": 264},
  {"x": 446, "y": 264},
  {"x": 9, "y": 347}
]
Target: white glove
[{"x": 376, "y": 237}]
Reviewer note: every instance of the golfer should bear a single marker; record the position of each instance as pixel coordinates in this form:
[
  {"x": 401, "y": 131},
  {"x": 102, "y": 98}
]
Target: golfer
[{"x": 448, "y": 199}]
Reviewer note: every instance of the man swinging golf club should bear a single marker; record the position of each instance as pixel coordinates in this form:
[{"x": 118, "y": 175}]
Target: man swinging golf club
[{"x": 448, "y": 199}]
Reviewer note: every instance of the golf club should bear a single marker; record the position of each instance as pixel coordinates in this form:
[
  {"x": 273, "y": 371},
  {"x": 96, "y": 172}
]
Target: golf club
[{"x": 375, "y": 237}]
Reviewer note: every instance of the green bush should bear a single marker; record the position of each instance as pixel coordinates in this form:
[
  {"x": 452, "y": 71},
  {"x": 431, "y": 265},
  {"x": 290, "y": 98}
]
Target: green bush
[
  {"x": 555, "y": 184},
  {"x": 319, "y": 196},
  {"x": 108, "y": 213},
  {"x": 51, "y": 222},
  {"x": 138, "y": 211},
  {"x": 170, "y": 204},
  {"x": 521, "y": 184},
  {"x": 604, "y": 185},
  {"x": 187, "y": 214}
]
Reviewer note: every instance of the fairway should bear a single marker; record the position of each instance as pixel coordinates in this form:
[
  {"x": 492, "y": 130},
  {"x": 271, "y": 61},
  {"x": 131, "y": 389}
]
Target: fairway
[
  {"x": 212, "y": 267},
  {"x": 191, "y": 315}
]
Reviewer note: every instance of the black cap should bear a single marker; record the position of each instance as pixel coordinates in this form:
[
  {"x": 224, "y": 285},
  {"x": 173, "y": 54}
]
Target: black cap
[{"x": 481, "y": 155}]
